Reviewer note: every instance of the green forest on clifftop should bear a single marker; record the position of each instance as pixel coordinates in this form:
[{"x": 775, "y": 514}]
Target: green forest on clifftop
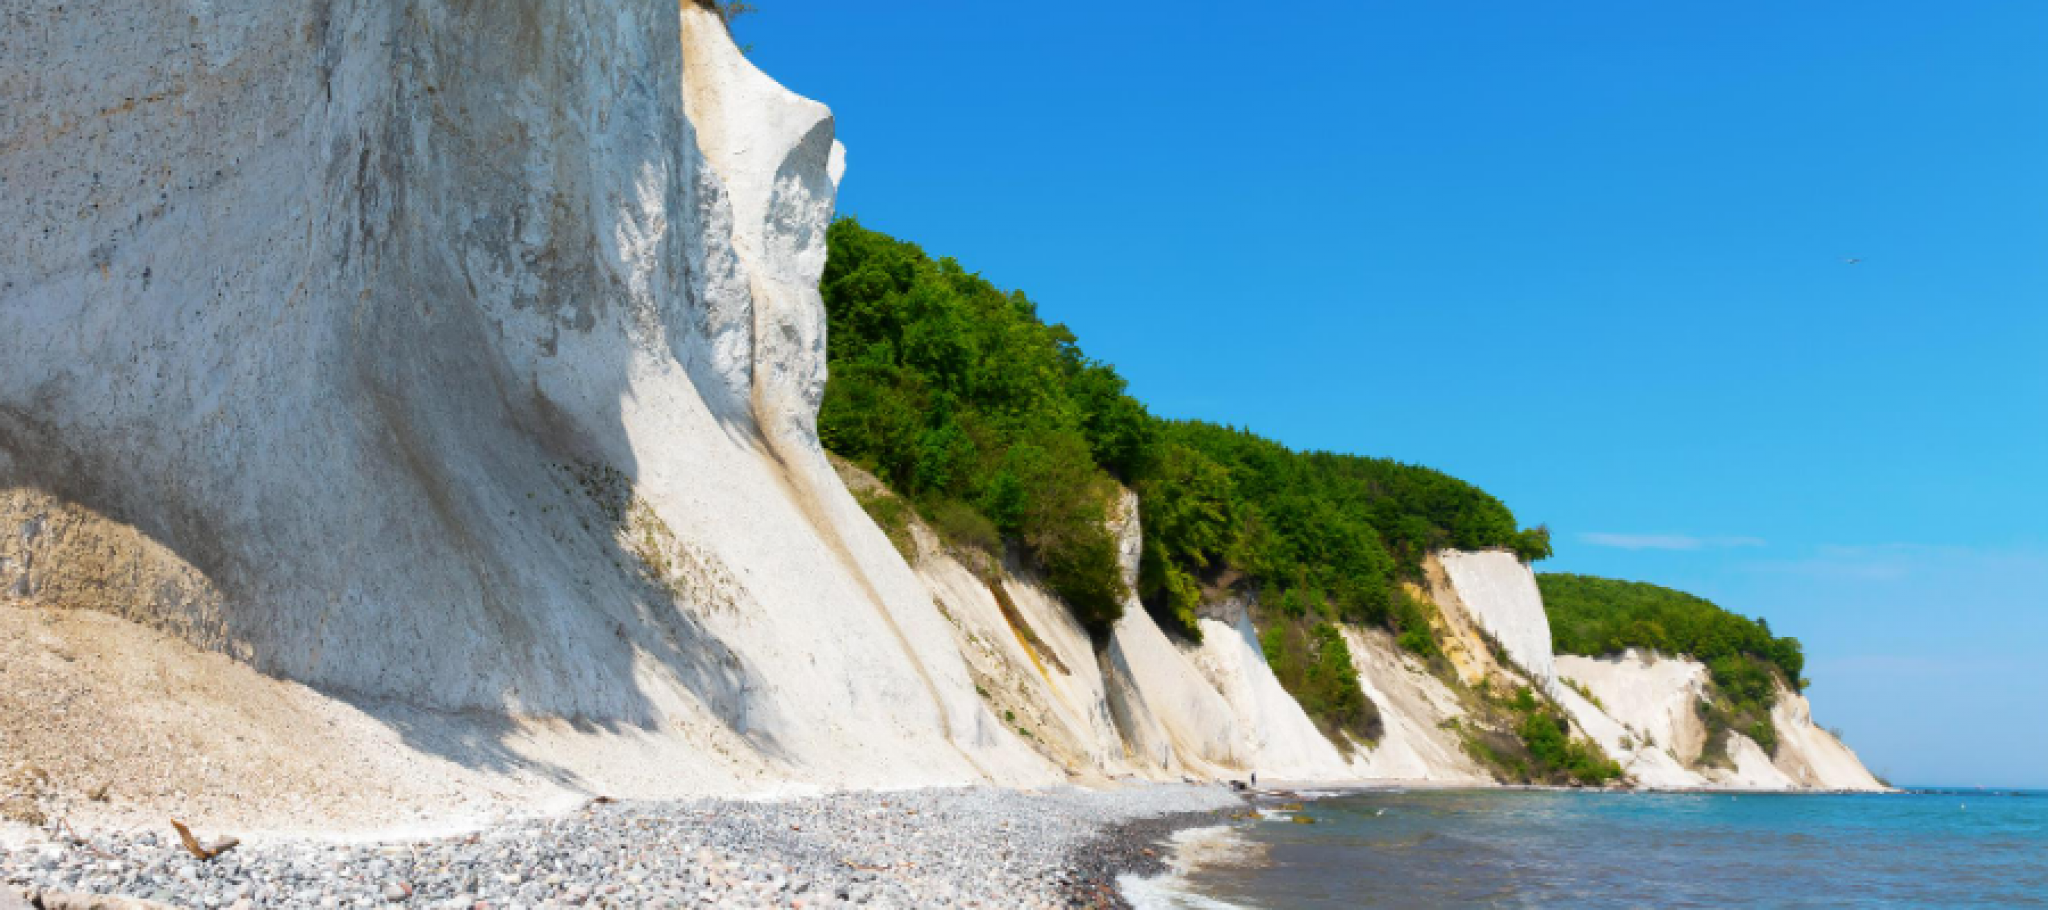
[
  {"x": 987, "y": 418},
  {"x": 1002, "y": 433}
]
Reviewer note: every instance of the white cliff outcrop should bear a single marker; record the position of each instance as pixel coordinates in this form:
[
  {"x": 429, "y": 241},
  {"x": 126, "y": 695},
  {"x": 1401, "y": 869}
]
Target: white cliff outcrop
[
  {"x": 1641, "y": 709},
  {"x": 1497, "y": 592},
  {"x": 1647, "y": 718},
  {"x": 1655, "y": 698},
  {"x": 1641, "y": 759},
  {"x": 1175, "y": 720},
  {"x": 1417, "y": 711},
  {"x": 458, "y": 356},
  {"x": 1812, "y": 756},
  {"x": 1279, "y": 739}
]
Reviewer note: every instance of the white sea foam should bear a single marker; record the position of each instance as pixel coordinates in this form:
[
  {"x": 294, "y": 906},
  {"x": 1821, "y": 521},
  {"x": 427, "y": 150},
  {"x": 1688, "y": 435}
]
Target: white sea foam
[
  {"x": 1165, "y": 893},
  {"x": 1192, "y": 848}
]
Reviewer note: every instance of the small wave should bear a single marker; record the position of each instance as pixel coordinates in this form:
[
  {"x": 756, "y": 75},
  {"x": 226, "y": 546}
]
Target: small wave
[
  {"x": 1193, "y": 848},
  {"x": 1167, "y": 892}
]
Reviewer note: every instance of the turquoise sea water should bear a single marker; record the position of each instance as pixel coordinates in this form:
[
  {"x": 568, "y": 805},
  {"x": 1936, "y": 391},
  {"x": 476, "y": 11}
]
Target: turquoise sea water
[{"x": 1576, "y": 849}]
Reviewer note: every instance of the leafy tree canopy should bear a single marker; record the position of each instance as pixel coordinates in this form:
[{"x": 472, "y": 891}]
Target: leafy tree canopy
[
  {"x": 1597, "y": 616},
  {"x": 962, "y": 399}
]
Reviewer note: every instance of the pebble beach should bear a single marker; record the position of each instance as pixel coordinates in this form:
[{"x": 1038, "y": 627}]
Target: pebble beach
[{"x": 969, "y": 847}]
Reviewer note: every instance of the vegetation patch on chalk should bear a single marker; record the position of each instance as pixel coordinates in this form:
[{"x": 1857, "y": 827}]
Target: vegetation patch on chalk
[
  {"x": 1308, "y": 655},
  {"x": 1529, "y": 740}
]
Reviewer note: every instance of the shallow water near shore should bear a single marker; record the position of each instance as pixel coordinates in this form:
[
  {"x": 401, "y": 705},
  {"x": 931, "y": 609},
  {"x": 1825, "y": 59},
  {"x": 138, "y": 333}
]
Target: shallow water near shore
[{"x": 1445, "y": 848}]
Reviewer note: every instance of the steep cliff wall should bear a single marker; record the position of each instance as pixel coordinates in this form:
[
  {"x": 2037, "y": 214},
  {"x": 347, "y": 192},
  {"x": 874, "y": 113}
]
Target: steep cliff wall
[
  {"x": 1648, "y": 720},
  {"x": 1495, "y": 591},
  {"x": 1642, "y": 710},
  {"x": 1812, "y": 756},
  {"x": 1416, "y": 710},
  {"x": 1645, "y": 718},
  {"x": 1280, "y": 741},
  {"x": 462, "y": 356},
  {"x": 462, "y": 363}
]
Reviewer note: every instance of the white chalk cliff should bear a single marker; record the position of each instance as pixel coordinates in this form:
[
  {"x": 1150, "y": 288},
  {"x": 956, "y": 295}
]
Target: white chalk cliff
[
  {"x": 463, "y": 356},
  {"x": 448, "y": 372},
  {"x": 1497, "y": 594},
  {"x": 1646, "y": 719}
]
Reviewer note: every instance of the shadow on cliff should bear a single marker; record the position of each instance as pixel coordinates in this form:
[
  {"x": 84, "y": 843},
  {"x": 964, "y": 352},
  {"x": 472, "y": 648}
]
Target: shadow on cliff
[
  {"x": 473, "y": 551},
  {"x": 523, "y": 457}
]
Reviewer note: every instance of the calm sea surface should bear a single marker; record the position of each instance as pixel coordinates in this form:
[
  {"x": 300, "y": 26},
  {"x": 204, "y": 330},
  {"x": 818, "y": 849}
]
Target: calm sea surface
[{"x": 1547, "y": 849}]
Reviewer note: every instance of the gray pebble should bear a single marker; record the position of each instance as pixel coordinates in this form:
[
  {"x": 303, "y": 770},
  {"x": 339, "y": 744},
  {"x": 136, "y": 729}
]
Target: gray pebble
[{"x": 961, "y": 847}]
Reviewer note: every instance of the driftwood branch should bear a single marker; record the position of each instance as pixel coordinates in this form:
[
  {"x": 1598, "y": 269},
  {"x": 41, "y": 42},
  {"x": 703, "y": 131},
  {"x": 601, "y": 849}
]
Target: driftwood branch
[{"x": 203, "y": 851}]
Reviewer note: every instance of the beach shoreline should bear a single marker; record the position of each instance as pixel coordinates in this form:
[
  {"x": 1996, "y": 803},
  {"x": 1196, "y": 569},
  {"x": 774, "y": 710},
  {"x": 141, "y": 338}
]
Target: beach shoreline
[
  {"x": 958, "y": 847},
  {"x": 981, "y": 846}
]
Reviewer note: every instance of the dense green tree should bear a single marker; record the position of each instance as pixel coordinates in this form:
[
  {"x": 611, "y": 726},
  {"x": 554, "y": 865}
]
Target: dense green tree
[
  {"x": 1596, "y": 616},
  {"x": 1342, "y": 526},
  {"x": 1189, "y": 516},
  {"x": 960, "y": 398}
]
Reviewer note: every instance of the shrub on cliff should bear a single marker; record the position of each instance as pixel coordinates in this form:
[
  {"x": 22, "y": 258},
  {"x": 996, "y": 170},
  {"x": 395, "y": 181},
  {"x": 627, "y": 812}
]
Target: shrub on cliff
[
  {"x": 728, "y": 10},
  {"x": 1314, "y": 665},
  {"x": 1527, "y": 739},
  {"x": 1532, "y": 545},
  {"x": 1560, "y": 757}
]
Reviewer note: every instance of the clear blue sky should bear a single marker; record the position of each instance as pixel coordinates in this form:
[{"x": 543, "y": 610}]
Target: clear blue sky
[{"x": 1587, "y": 255}]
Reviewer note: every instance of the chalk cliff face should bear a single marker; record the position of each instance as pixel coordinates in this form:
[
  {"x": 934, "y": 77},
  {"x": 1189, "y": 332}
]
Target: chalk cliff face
[
  {"x": 1646, "y": 720},
  {"x": 461, "y": 361},
  {"x": 1140, "y": 704},
  {"x": 1497, "y": 594},
  {"x": 1810, "y": 755},
  {"x": 1417, "y": 711},
  {"x": 456, "y": 354},
  {"x": 1643, "y": 708}
]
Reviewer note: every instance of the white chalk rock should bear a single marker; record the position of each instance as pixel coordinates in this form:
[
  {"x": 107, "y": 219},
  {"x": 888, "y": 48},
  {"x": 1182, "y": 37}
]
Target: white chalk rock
[
  {"x": 1172, "y": 717},
  {"x": 1040, "y": 665},
  {"x": 1170, "y": 714},
  {"x": 1648, "y": 713},
  {"x": 1811, "y": 756},
  {"x": 1278, "y": 738},
  {"x": 1499, "y": 593},
  {"x": 1414, "y": 708},
  {"x": 460, "y": 355},
  {"x": 1753, "y": 768},
  {"x": 1654, "y": 697},
  {"x": 1642, "y": 758}
]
